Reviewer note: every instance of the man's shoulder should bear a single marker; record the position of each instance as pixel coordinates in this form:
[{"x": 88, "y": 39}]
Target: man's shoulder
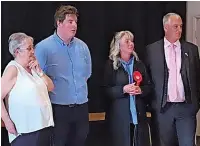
[
  {"x": 188, "y": 44},
  {"x": 80, "y": 42},
  {"x": 154, "y": 43},
  {"x": 47, "y": 42}
]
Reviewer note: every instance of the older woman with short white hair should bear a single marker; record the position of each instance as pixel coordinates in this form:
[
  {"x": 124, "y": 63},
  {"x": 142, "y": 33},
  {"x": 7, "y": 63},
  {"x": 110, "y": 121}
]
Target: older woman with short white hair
[{"x": 28, "y": 113}]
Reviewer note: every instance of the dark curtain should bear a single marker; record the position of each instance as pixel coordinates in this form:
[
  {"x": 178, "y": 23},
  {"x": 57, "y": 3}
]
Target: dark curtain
[{"x": 97, "y": 23}]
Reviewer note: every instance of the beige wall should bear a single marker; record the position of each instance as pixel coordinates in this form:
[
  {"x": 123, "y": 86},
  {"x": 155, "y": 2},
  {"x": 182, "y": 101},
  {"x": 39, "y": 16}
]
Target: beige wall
[{"x": 192, "y": 9}]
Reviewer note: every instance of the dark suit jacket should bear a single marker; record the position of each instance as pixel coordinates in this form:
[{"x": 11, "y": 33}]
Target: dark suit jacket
[
  {"x": 118, "y": 111},
  {"x": 190, "y": 72}
]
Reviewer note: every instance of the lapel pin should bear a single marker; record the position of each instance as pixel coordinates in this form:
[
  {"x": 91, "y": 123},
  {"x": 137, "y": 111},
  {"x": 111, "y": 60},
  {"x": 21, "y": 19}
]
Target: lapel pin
[{"x": 186, "y": 54}]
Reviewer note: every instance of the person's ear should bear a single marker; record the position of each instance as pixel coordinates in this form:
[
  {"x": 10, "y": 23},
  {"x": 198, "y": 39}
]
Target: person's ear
[
  {"x": 166, "y": 27},
  {"x": 17, "y": 51},
  {"x": 59, "y": 23}
]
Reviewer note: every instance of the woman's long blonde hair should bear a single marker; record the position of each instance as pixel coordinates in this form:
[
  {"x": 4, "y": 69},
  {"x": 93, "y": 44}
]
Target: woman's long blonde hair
[{"x": 115, "y": 48}]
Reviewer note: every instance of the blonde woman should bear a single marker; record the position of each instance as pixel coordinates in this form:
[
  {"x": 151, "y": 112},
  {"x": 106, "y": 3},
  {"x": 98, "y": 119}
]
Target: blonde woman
[{"x": 126, "y": 86}]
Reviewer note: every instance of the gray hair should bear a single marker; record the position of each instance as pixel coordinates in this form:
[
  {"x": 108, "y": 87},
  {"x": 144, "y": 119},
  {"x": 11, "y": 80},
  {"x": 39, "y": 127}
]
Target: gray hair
[
  {"x": 16, "y": 41},
  {"x": 115, "y": 48},
  {"x": 166, "y": 17}
]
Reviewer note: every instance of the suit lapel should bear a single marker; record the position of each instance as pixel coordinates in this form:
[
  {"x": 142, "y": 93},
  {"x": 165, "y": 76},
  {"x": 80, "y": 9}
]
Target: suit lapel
[
  {"x": 160, "y": 54},
  {"x": 184, "y": 60}
]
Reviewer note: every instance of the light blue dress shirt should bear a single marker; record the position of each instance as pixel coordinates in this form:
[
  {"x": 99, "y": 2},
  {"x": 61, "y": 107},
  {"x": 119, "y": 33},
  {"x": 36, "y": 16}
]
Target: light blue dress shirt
[{"x": 69, "y": 67}]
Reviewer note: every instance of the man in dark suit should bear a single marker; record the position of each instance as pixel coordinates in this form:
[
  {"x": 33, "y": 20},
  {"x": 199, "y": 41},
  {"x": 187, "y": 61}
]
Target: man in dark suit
[{"x": 175, "y": 72}]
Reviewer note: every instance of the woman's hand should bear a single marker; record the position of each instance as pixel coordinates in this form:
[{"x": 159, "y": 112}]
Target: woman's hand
[
  {"x": 35, "y": 65},
  {"x": 132, "y": 89}
]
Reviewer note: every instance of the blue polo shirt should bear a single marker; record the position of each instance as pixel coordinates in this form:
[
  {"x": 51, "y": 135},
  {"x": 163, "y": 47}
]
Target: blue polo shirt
[{"x": 69, "y": 67}]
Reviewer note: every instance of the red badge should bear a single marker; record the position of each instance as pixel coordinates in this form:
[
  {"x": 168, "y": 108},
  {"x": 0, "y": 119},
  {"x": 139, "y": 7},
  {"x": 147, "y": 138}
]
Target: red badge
[{"x": 137, "y": 77}]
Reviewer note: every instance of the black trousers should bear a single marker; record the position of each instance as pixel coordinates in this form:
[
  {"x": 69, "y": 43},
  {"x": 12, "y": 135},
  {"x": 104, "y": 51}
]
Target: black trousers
[
  {"x": 38, "y": 138},
  {"x": 4, "y": 137},
  {"x": 139, "y": 134},
  {"x": 132, "y": 134},
  {"x": 177, "y": 124},
  {"x": 71, "y": 125}
]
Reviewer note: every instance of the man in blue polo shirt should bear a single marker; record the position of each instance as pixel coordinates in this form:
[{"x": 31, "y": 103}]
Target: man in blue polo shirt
[{"x": 67, "y": 61}]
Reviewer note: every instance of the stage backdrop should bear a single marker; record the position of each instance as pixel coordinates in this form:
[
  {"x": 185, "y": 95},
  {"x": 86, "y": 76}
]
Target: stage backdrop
[{"x": 97, "y": 23}]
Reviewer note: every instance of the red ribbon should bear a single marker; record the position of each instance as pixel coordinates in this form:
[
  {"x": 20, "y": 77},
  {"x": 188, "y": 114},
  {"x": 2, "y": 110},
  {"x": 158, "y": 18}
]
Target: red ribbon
[{"x": 137, "y": 76}]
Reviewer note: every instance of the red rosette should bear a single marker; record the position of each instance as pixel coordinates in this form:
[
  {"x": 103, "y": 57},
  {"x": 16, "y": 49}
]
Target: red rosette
[{"x": 137, "y": 76}]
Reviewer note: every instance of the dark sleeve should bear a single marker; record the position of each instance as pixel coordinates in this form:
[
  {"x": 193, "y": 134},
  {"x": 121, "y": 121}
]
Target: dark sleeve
[
  {"x": 112, "y": 91},
  {"x": 196, "y": 53},
  {"x": 147, "y": 63},
  {"x": 146, "y": 84}
]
